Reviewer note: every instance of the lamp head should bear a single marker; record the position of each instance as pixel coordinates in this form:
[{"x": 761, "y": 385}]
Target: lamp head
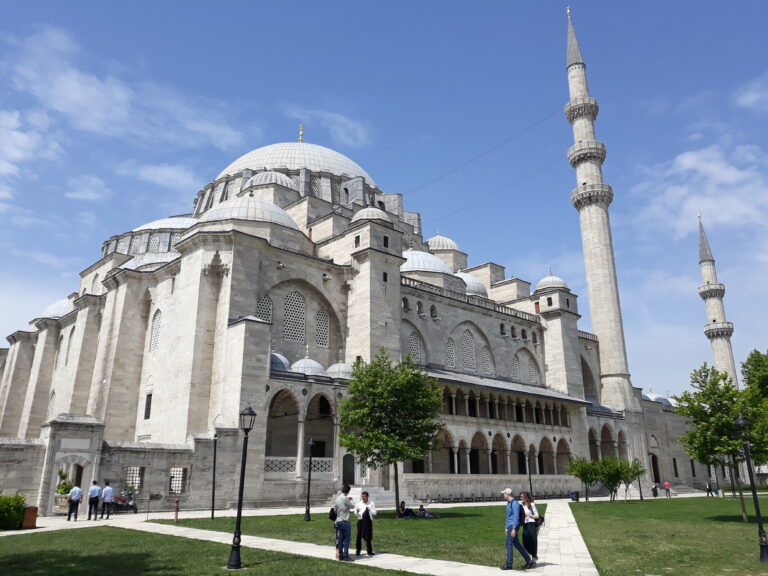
[
  {"x": 247, "y": 419},
  {"x": 741, "y": 422}
]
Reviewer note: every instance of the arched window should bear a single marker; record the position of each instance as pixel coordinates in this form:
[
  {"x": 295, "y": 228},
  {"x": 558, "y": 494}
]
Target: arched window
[
  {"x": 502, "y": 329},
  {"x": 419, "y": 308},
  {"x": 154, "y": 337},
  {"x": 59, "y": 350},
  {"x": 488, "y": 367},
  {"x": 321, "y": 335},
  {"x": 264, "y": 308},
  {"x": 95, "y": 284},
  {"x": 414, "y": 347},
  {"x": 524, "y": 334},
  {"x": 406, "y": 305},
  {"x": 69, "y": 345},
  {"x": 534, "y": 338},
  {"x": 224, "y": 192},
  {"x": 175, "y": 240},
  {"x": 533, "y": 372},
  {"x": 515, "y": 367},
  {"x": 51, "y": 412},
  {"x": 512, "y": 332},
  {"x": 450, "y": 353},
  {"x": 154, "y": 244},
  {"x": 294, "y": 317},
  {"x": 433, "y": 312},
  {"x": 468, "y": 360}
]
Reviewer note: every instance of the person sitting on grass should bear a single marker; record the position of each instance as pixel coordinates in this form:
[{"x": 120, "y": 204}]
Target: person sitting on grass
[
  {"x": 425, "y": 513},
  {"x": 403, "y": 512}
]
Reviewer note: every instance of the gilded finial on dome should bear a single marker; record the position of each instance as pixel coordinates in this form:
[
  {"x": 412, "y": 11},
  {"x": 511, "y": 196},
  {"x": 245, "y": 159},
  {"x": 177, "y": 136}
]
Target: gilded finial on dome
[
  {"x": 550, "y": 270},
  {"x": 568, "y": 11},
  {"x": 301, "y": 132},
  {"x": 698, "y": 215}
]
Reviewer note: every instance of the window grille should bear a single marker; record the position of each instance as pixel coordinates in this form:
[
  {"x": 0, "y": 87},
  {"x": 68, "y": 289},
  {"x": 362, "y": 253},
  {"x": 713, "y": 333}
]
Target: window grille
[
  {"x": 69, "y": 345},
  {"x": 487, "y": 360},
  {"x": 154, "y": 244},
  {"x": 147, "y": 406},
  {"x": 515, "y": 367},
  {"x": 321, "y": 335},
  {"x": 51, "y": 412},
  {"x": 533, "y": 372},
  {"x": 177, "y": 480},
  {"x": 175, "y": 240},
  {"x": 468, "y": 351},
  {"x": 335, "y": 191},
  {"x": 414, "y": 347},
  {"x": 294, "y": 318},
  {"x": 135, "y": 245},
  {"x": 134, "y": 478},
  {"x": 122, "y": 246},
  {"x": 315, "y": 186},
  {"x": 154, "y": 338},
  {"x": 264, "y": 309},
  {"x": 450, "y": 353}
]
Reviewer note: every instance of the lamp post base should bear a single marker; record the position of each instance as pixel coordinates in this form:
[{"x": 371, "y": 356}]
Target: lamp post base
[
  {"x": 306, "y": 515},
  {"x": 234, "y": 556},
  {"x": 763, "y": 551}
]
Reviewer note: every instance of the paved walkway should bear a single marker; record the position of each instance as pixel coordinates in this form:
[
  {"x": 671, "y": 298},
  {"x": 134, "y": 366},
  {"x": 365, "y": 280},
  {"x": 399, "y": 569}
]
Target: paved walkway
[{"x": 562, "y": 551}]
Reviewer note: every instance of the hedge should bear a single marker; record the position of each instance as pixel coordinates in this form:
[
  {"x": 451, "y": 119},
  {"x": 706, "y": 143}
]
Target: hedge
[{"x": 11, "y": 512}]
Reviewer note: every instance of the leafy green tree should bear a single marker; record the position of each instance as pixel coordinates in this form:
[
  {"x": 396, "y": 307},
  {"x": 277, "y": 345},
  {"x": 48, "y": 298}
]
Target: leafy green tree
[
  {"x": 630, "y": 472},
  {"x": 390, "y": 413},
  {"x": 586, "y": 471},
  {"x": 754, "y": 373},
  {"x": 611, "y": 473}
]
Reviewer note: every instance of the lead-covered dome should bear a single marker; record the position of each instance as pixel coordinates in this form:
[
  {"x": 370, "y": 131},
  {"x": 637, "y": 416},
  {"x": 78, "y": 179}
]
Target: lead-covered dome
[
  {"x": 270, "y": 177},
  {"x": 149, "y": 259},
  {"x": 295, "y": 156},
  {"x": 417, "y": 261},
  {"x": 57, "y": 309},
  {"x": 371, "y": 213},
  {"x": 172, "y": 223},
  {"x": 309, "y": 367},
  {"x": 340, "y": 370},
  {"x": 249, "y": 207},
  {"x": 475, "y": 287},
  {"x": 438, "y": 242},
  {"x": 551, "y": 282}
]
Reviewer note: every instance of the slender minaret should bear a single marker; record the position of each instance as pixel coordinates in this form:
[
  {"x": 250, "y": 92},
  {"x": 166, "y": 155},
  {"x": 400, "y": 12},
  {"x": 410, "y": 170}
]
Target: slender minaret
[
  {"x": 712, "y": 292},
  {"x": 591, "y": 198}
]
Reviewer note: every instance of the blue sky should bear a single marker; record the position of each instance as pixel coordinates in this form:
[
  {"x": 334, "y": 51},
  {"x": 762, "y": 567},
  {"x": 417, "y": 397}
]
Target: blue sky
[{"x": 115, "y": 114}]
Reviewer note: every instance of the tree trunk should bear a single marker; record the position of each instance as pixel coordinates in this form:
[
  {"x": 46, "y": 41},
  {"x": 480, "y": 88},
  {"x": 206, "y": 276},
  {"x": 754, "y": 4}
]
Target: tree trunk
[
  {"x": 397, "y": 491},
  {"x": 586, "y": 492},
  {"x": 744, "y": 516}
]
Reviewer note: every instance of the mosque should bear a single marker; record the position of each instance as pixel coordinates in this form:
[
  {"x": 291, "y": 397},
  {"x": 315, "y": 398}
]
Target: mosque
[{"x": 292, "y": 265}]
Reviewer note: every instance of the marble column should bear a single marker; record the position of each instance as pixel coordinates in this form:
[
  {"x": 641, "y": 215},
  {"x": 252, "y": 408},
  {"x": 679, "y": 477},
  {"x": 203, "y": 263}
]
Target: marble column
[{"x": 300, "y": 450}]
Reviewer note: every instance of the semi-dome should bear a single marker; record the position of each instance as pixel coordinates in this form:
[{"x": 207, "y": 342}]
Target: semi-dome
[
  {"x": 295, "y": 156},
  {"x": 438, "y": 242},
  {"x": 147, "y": 258},
  {"x": 371, "y": 213},
  {"x": 57, "y": 309},
  {"x": 550, "y": 282},
  {"x": 340, "y": 370},
  {"x": 172, "y": 223},
  {"x": 248, "y": 207},
  {"x": 270, "y": 177},
  {"x": 417, "y": 261},
  {"x": 279, "y": 362},
  {"x": 474, "y": 286},
  {"x": 309, "y": 367}
]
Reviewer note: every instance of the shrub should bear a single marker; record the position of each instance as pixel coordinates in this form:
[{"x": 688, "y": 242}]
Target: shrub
[
  {"x": 64, "y": 487},
  {"x": 11, "y": 511}
]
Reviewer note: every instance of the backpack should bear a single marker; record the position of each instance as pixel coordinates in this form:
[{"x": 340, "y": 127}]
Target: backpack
[{"x": 332, "y": 514}]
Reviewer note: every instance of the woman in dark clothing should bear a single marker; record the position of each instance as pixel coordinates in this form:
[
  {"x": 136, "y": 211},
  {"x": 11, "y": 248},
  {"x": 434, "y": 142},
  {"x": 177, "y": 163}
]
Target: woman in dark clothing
[{"x": 530, "y": 535}]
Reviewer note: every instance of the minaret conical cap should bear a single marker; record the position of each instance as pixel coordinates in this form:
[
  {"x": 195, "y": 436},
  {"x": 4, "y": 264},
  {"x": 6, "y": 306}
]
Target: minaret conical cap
[
  {"x": 574, "y": 54},
  {"x": 705, "y": 254}
]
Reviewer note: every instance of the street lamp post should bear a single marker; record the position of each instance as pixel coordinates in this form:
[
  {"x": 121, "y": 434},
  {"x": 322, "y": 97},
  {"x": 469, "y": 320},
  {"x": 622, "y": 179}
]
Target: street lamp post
[
  {"x": 213, "y": 472},
  {"x": 530, "y": 482},
  {"x": 247, "y": 419},
  {"x": 309, "y": 480},
  {"x": 742, "y": 423}
]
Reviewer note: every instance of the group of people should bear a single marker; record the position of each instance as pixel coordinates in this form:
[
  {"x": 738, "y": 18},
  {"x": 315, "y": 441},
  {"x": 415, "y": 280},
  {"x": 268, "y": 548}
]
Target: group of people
[
  {"x": 95, "y": 493},
  {"x": 364, "y": 510},
  {"x": 522, "y": 517}
]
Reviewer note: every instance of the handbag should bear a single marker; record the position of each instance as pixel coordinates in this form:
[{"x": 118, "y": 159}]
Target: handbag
[
  {"x": 540, "y": 521},
  {"x": 332, "y": 514}
]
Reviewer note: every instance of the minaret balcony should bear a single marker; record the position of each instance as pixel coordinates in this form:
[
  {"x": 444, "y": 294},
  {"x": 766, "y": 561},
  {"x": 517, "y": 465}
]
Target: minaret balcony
[
  {"x": 718, "y": 330},
  {"x": 589, "y": 194},
  {"x": 587, "y": 150},
  {"x": 580, "y": 107},
  {"x": 711, "y": 291}
]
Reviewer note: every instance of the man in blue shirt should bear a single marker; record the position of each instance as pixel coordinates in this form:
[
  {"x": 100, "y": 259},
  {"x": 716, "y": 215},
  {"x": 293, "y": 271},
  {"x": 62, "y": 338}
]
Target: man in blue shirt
[
  {"x": 511, "y": 529},
  {"x": 93, "y": 500},
  {"x": 75, "y": 495},
  {"x": 106, "y": 499}
]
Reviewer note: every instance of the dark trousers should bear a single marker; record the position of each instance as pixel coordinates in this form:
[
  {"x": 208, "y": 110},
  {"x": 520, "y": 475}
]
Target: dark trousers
[
  {"x": 106, "y": 506},
  {"x": 93, "y": 506},
  {"x": 359, "y": 539},
  {"x": 531, "y": 539},
  {"x": 73, "y": 506}
]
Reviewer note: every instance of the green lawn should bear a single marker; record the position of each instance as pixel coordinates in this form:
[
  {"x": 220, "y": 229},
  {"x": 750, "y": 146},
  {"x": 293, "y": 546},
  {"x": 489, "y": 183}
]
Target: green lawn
[
  {"x": 472, "y": 534},
  {"x": 673, "y": 537},
  {"x": 108, "y": 550}
]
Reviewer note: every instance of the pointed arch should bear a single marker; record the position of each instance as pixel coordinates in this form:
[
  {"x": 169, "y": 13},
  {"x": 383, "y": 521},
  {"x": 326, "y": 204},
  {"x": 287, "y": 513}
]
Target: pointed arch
[
  {"x": 594, "y": 445},
  {"x": 499, "y": 455},
  {"x": 590, "y": 384},
  {"x": 69, "y": 345},
  {"x": 154, "y": 335},
  {"x": 478, "y": 454},
  {"x": 319, "y": 426},
  {"x": 546, "y": 457},
  {"x": 488, "y": 365},
  {"x": 282, "y": 424},
  {"x": 607, "y": 446},
  {"x": 563, "y": 458},
  {"x": 622, "y": 447},
  {"x": 442, "y": 455},
  {"x": 519, "y": 456},
  {"x": 50, "y": 413}
]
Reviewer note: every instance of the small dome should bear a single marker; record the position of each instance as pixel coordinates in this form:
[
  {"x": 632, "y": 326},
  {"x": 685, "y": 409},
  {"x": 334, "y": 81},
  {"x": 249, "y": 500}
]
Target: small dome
[
  {"x": 147, "y": 258},
  {"x": 417, "y": 261},
  {"x": 474, "y": 286},
  {"x": 57, "y": 309},
  {"x": 659, "y": 398},
  {"x": 371, "y": 213},
  {"x": 550, "y": 282},
  {"x": 309, "y": 367},
  {"x": 298, "y": 155},
  {"x": 438, "y": 242},
  {"x": 270, "y": 177},
  {"x": 249, "y": 207},
  {"x": 279, "y": 362},
  {"x": 340, "y": 370},
  {"x": 172, "y": 223}
]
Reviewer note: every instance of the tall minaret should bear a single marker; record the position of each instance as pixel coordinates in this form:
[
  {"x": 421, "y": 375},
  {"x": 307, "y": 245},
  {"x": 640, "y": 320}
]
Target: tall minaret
[
  {"x": 711, "y": 291},
  {"x": 591, "y": 198}
]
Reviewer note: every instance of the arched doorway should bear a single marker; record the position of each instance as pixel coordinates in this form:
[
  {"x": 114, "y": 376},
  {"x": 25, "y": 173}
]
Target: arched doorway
[
  {"x": 348, "y": 469},
  {"x": 520, "y": 456},
  {"x": 655, "y": 468}
]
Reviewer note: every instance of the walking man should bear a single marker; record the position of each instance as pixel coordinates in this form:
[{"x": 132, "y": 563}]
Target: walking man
[
  {"x": 667, "y": 487},
  {"x": 343, "y": 525},
  {"x": 709, "y": 490},
  {"x": 94, "y": 492},
  {"x": 512, "y": 529},
  {"x": 75, "y": 495},
  {"x": 365, "y": 510},
  {"x": 107, "y": 498}
]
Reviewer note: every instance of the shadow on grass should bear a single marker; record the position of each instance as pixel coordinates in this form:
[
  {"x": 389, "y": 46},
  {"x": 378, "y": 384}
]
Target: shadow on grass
[
  {"x": 731, "y": 518},
  {"x": 63, "y": 563}
]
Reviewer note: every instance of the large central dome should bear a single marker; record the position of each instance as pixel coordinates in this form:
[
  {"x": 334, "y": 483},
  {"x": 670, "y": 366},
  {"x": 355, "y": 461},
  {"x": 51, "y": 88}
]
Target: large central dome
[{"x": 295, "y": 156}]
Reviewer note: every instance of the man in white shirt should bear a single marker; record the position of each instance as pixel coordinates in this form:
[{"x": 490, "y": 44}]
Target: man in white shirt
[
  {"x": 93, "y": 500},
  {"x": 106, "y": 500},
  {"x": 365, "y": 510},
  {"x": 75, "y": 495}
]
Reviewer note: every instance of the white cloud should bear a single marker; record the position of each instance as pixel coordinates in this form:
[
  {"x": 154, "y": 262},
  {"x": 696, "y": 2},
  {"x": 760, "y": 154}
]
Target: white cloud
[
  {"x": 171, "y": 176},
  {"x": 343, "y": 129},
  {"x": 45, "y": 258},
  {"x": 753, "y": 95},
  {"x": 46, "y": 66},
  {"x": 87, "y": 187}
]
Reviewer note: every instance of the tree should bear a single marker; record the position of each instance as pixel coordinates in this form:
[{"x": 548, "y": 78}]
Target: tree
[
  {"x": 586, "y": 471},
  {"x": 631, "y": 472},
  {"x": 611, "y": 473},
  {"x": 390, "y": 413},
  {"x": 754, "y": 373}
]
